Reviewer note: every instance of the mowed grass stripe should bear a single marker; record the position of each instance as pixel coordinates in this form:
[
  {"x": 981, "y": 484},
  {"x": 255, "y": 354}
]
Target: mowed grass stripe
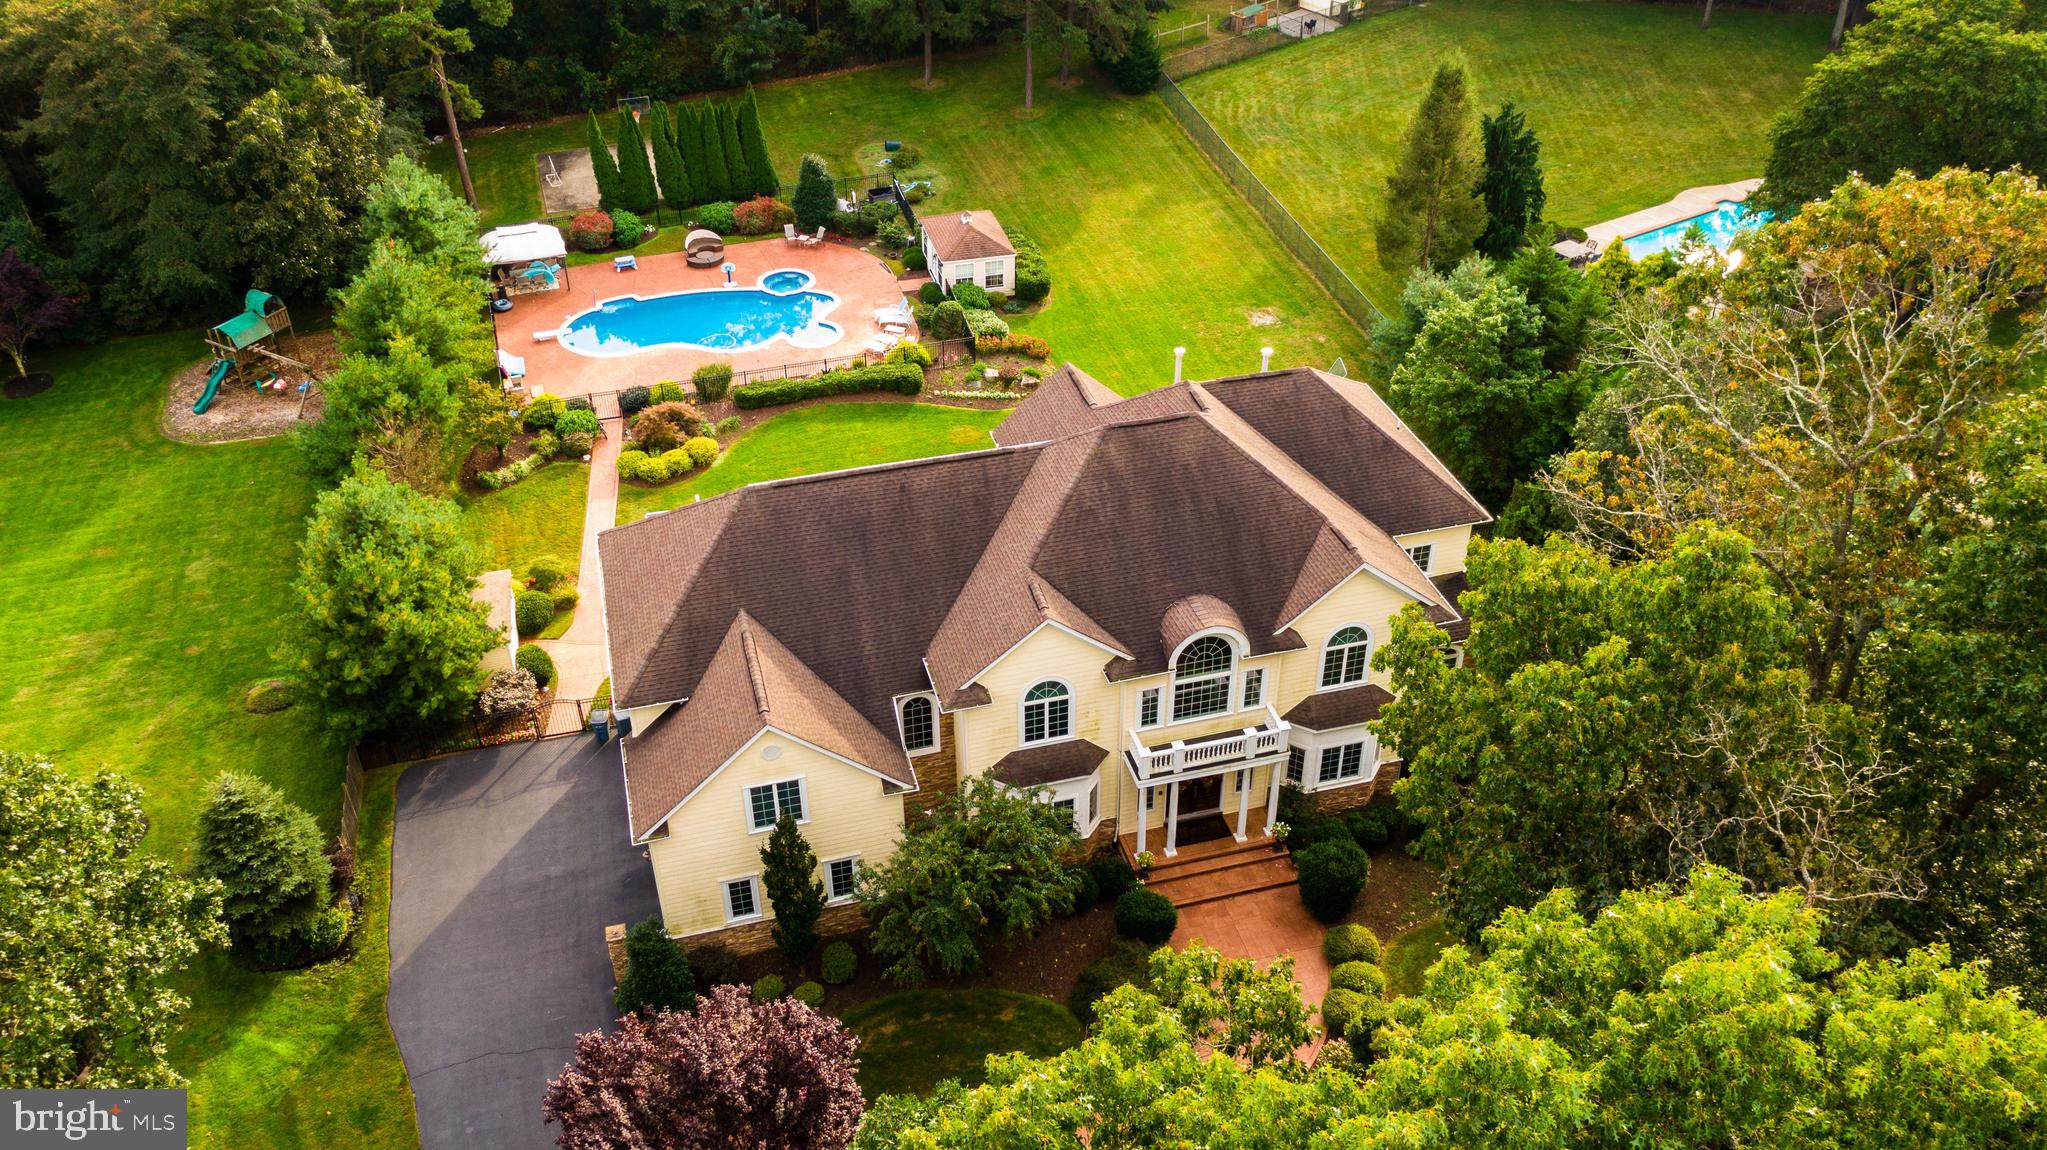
[{"x": 1633, "y": 103}]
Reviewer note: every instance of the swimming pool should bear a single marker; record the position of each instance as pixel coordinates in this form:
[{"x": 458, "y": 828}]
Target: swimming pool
[
  {"x": 726, "y": 319},
  {"x": 1720, "y": 225}
]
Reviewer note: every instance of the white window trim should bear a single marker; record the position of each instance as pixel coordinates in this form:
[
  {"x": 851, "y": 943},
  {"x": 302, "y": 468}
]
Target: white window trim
[
  {"x": 1076, "y": 791},
  {"x": 725, "y": 896},
  {"x": 1425, "y": 560},
  {"x": 826, "y": 868},
  {"x": 1322, "y": 657},
  {"x": 1453, "y": 655},
  {"x": 1022, "y": 701},
  {"x": 1160, "y": 698},
  {"x": 1239, "y": 650},
  {"x": 937, "y": 737},
  {"x": 746, "y": 802},
  {"x": 1244, "y": 694}
]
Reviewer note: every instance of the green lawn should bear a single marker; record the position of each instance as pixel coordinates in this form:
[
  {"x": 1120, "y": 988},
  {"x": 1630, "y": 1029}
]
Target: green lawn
[
  {"x": 1411, "y": 952},
  {"x": 540, "y": 515},
  {"x": 912, "y": 1040},
  {"x": 145, "y": 580},
  {"x": 826, "y": 437},
  {"x": 1149, "y": 248},
  {"x": 1632, "y": 101}
]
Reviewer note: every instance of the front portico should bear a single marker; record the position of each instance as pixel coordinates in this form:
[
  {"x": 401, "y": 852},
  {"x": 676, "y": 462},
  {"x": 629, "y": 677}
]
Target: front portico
[{"x": 1213, "y": 775}]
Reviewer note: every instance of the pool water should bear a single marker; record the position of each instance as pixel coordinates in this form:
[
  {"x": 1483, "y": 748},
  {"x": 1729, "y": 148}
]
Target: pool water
[
  {"x": 1720, "y": 226},
  {"x": 723, "y": 319}
]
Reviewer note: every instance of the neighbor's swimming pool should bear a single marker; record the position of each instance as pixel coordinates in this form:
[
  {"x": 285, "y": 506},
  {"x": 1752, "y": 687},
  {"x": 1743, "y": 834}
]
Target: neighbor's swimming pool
[
  {"x": 721, "y": 319},
  {"x": 1720, "y": 225}
]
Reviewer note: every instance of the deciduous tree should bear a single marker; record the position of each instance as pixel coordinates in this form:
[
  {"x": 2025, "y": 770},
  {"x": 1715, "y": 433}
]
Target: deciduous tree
[
  {"x": 1232, "y": 1005},
  {"x": 383, "y": 631},
  {"x": 789, "y": 872},
  {"x": 440, "y": 313},
  {"x": 1433, "y": 212},
  {"x": 29, "y": 307},
  {"x": 986, "y": 860},
  {"x": 427, "y": 222},
  {"x": 892, "y": 21},
  {"x": 734, "y": 1073},
  {"x": 298, "y": 166},
  {"x": 90, "y": 930}
]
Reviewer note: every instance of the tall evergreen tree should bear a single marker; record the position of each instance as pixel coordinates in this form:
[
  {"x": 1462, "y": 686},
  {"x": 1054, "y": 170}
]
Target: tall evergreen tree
[
  {"x": 603, "y": 167},
  {"x": 689, "y": 140},
  {"x": 717, "y": 173},
  {"x": 668, "y": 165},
  {"x": 657, "y": 974},
  {"x": 753, "y": 144},
  {"x": 738, "y": 180},
  {"x": 789, "y": 872},
  {"x": 1433, "y": 212},
  {"x": 814, "y": 197},
  {"x": 266, "y": 854},
  {"x": 1511, "y": 186},
  {"x": 635, "y": 174}
]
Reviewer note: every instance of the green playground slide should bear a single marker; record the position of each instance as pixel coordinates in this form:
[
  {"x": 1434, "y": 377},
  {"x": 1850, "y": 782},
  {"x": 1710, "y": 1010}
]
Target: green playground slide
[{"x": 219, "y": 372}]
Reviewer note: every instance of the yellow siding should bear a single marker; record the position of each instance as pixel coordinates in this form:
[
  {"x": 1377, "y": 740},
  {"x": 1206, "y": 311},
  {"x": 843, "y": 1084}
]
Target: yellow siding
[
  {"x": 985, "y": 734},
  {"x": 1449, "y": 546},
  {"x": 709, "y": 842},
  {"x": 1365, "y": 599}
]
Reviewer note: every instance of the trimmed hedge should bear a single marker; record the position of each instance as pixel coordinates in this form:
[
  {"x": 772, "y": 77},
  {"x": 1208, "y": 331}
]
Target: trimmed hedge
[
  {"x": 1126, "y": 963},
  {"x": 1350, "y": 942},
  {"x": 1021, "y": 344},
  {"x": 810, "y": 994},
  {"x": 548, "y": 571},
  {"x": 930, "y": 292},
  {"x": 1332, "y": 875},
  {"x": 634, "y": 398},
  {"x": 534, "y": 610},
  {"x": 537, "y": 662},
  {"x": 1362, "y": 977},
  {"x": 1113, "y": 876},
  {"x": 1340, "y": 1008},
  {"x": 1146, "y": 915},
  {"x": 712, "y": 381},
  {"x": 769, "y": 987},
  {"x": 1088, "y": 893},
  {"x": 906, "y": 379},
  {"x": 576, "y": 420},
  {"x": 840, "y": 963}
]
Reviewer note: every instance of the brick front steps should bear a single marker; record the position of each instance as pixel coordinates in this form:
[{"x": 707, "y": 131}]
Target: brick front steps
[{"x": 1239, "y": 868}]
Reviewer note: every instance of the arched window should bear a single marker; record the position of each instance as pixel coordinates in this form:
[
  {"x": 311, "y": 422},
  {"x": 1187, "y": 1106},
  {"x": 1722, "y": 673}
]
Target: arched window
[
  {"x": 1047, "y": 712},
  {"x": 920, "y": 733},
  {"x": 1347, "y": 657},
  {"x": 1201, "y": 678}
]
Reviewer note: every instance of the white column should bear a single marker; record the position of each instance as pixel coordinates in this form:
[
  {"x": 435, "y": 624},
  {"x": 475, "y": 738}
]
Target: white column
[
  {"x": 1243, "y": 804},
  {"x": 1143, "y": 815},
  {"x": 1173, "y": 819},
  {"x": 1272, "y": 796}
]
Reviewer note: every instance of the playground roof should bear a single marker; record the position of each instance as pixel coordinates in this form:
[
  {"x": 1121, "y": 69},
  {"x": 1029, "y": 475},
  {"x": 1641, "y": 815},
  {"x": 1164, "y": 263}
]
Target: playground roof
[
  {"x": 245, "y": 329},
  {"x": 523, "y": 243}
]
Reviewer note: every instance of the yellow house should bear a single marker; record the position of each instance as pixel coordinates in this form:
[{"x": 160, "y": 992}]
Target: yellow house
[{"x": 1156, "y": 611}]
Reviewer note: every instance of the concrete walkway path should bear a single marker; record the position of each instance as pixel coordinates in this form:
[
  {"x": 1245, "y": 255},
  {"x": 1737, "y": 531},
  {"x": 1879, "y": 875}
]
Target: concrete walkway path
[{"x": 579, "y": 653}]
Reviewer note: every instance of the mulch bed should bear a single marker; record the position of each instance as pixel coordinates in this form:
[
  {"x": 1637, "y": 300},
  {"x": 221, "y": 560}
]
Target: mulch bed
[
  {"x": 240, "y": 411},
  {"x": 1400, "y": 894},
  {"x": 485, "y": 458},
  {"x": 24, "y": 386}
]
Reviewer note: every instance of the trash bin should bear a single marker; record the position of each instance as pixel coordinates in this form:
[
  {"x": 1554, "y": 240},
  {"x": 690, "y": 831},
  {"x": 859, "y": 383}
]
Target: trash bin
[
  {"x": 600, "y": 723},
  {"x": 891, "y": 145}
]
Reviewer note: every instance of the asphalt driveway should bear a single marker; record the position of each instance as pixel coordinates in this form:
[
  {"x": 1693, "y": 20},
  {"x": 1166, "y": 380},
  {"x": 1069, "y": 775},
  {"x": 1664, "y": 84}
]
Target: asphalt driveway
[{"x": 507, "y": 865}]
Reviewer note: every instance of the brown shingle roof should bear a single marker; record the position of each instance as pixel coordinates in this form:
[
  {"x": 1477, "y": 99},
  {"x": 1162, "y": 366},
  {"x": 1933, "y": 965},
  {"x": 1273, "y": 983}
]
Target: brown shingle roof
[
  {"x": 972, "y": 235},
  {"x": 1195, "y": 613},
  {"x": 1052, "y": 763},
  {"x": 752, "y": 683},
  {"x": 1328, "y": 710},
  {"x": 1453, "y": 587}
]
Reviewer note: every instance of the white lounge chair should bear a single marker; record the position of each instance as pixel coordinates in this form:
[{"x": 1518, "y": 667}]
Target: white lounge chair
[
  {"x": 789, "y": 233},
  {"x": 880, "y": 344},
  {"x": 813, "y": 240}
]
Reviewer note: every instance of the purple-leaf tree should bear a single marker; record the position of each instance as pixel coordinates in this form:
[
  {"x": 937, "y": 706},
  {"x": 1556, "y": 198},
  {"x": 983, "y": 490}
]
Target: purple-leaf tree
[
  {"x": 29, "y": 307},
  {"x": 734, "y": 1074}
]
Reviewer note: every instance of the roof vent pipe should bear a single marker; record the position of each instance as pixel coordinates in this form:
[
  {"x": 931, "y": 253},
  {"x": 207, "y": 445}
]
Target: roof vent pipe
[
  {"x": 1179, "y": 359},
  {"x": 1264, "y": 359}
]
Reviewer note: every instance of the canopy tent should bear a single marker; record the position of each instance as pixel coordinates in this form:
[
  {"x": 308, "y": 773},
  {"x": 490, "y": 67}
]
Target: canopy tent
[{"x": 523, "y": 244}]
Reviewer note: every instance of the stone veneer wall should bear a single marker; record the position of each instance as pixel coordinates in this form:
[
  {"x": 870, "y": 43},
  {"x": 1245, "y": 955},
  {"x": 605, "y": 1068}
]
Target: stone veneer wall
[
  {"x": 1336, "y": 802},
  {"x": 938, "y": 774}
]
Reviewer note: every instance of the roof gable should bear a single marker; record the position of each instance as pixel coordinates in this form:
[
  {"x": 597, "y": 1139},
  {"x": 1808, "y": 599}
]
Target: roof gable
[{"x": 969, "y": 235}]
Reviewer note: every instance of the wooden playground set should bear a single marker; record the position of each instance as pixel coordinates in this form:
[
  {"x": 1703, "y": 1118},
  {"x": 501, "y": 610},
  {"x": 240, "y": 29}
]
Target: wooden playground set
[{"x": 248, "y": 350}]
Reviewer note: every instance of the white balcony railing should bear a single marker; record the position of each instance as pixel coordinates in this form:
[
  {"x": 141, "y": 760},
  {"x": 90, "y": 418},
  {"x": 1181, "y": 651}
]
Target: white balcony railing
[{"x": 1183, "y": 755}]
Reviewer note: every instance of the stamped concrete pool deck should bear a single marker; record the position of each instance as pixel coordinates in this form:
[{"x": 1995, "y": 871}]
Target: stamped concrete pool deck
[
  {"x": 1683, "y": 206},
  {"x": 861, "y": 281}
]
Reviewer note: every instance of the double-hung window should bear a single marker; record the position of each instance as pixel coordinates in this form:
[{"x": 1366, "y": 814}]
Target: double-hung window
[
  {"x": 1296, "y": 765},
  {"x": 838, "y": 878},
  {"x": 1201, "y": 678},
  {"x": 1047, "y": 712},
  {"x": 992, "y": 277},
  {"x": 767, "y": 803},
  {"x": 1254, "y": 687},
  {"x": 1340, "y": 763},
  {"x": 1346, "y": 657},
  {"x": 742, "y": 899},
  {"x": 1148, "y": 707},
  {"x": 1420, "y": 553}
]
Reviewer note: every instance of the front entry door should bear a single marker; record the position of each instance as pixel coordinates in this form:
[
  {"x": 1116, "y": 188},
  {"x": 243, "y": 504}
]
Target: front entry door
[{"x": 1201, "y": 796}]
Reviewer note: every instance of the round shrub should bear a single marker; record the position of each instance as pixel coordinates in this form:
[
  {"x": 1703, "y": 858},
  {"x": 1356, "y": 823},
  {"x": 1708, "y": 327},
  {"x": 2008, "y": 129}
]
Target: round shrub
[
  {"x": 578, "y": 443},
  {"x": 1362, "y": 977},
  {"x": 718, "y": 217},
  {"x": 810, "y": 994},
  {"x": 769, "y": 987},
  {"x": 629, "y": 462},
  {"x": 714, "y": 964},
  {"x": 543, "y": 411},
  {"x": 534, "y": 610},
  {"x": 668, "y": 391},
  {"x": 1350, "y": 942},
  {"x": 712, "y": 381},
  {"x": 702, "y": 449},
  {"x": 1332, "y": 875},
  {"x": 677, "y": 461},
  {"x": 537, "y": 662},
  {"x": 930, "y": 292},
  {"x": 564, "y": 598},
  {"x": 914, "y": 195},
  {"x": 654, "y": 431},
  {"x": 576, "y": 420},
  {"x": 915, "y": 353},
  {"x": 1307, "y": 832},
  {"x": 908, "y": 158},
  {"x": 949, "y": 320},
  {"x": 548, "y": 571},
  {"x": 971, "y": 295},
  {"x": 761, "y": 215},
  {"x": 1088, "y": 893},
  {"x": 634, "y": 398},
  {"x": 1127, "y": 962},
  {"x": 893, "y": 233},
  {"x": 839, "y": 964},
  {"x": 1372, "y": 1013},
  {"x": 1340, "y": 1009},
  {"x": 913, "y": 256},
  {"x": 1146, "y": 915},
  {"x": 1113, "y": 876},
  {"x": 627, "y": 229},
  {"x": 545, "y": 444},
  {"x": 580, "y": 403},
  {"x": 654, "y": 469},
  {"x": 982, "y": 322},
  {"x": 591, "y": 231},
  {"x": 269, "y": 696},
  {"x": 1373, "y": 826}
]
